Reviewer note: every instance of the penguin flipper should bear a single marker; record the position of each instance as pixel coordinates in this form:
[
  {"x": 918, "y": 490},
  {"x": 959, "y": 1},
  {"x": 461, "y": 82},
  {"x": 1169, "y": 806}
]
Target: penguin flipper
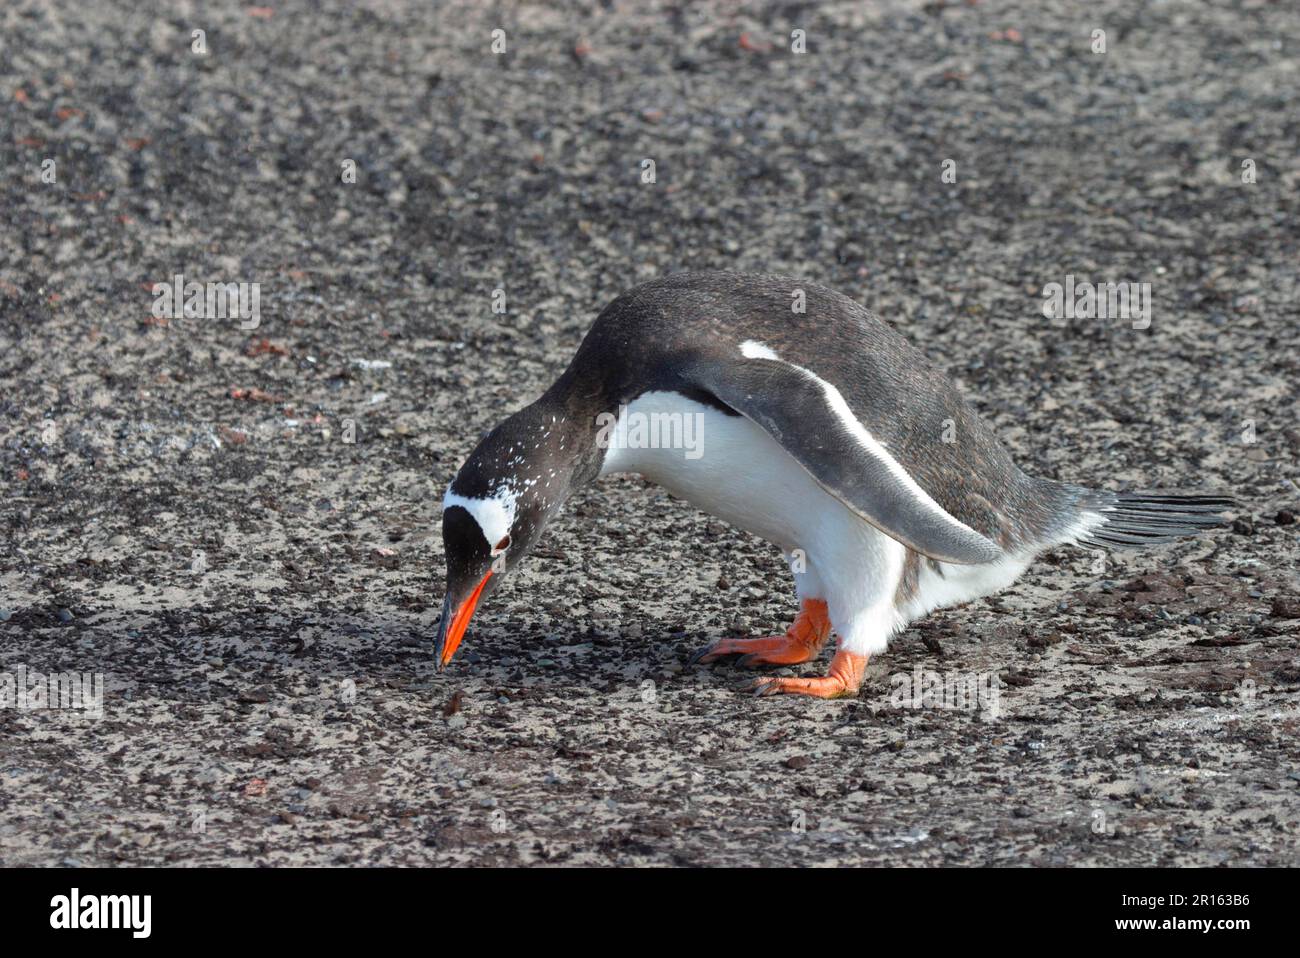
[{"x": 814, "y": 424}]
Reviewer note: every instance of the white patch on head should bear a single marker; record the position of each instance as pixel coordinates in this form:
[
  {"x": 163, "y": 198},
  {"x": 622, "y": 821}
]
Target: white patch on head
[
  {"x": 494, "y": 515},
  {"x": 874, "y": 447},
  {"x": 756, "y": 350}
]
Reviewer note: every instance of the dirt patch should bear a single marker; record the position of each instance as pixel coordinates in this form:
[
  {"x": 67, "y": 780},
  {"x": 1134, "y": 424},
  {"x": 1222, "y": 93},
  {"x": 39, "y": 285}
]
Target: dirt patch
[{"x": 238, "y": 528}]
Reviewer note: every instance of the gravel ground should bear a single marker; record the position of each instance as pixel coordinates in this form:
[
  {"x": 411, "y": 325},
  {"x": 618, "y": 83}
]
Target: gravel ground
[{"x": 239, "y": 527}]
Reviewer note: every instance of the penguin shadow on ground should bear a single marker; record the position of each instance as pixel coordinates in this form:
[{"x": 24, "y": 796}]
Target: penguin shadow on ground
[{"x": 184, "y": 656}]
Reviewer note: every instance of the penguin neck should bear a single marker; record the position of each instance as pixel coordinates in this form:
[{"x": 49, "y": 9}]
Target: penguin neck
[
  {"x": 578, "y": 402},
  {"x": 548, "y": 449}
]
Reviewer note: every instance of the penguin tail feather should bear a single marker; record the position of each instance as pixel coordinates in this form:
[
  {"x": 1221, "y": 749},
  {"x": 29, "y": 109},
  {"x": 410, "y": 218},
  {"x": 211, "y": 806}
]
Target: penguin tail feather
[{"x": 1135, "y": 519}]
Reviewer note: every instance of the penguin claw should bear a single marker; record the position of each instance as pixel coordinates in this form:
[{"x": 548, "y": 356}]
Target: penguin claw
[
  {"x": 699, "y": 655},
  {"x": 843, "y": 681},
  {"x": 800, "y": 643},
  {"x": 773, "y": 650}
]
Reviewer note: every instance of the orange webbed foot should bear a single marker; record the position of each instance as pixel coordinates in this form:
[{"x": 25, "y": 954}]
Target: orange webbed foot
[
  {"x": 844, "y": 680},
  {"x": 801, "y": 642}
]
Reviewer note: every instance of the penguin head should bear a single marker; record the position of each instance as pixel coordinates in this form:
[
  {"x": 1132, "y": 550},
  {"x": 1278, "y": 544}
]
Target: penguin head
[
  {"x": 493, "y": 513},
  {"x": 474, "y": 567}
]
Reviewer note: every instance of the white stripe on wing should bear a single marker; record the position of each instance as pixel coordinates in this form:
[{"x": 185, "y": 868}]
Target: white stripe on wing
[{"x": 751, "y": 349}]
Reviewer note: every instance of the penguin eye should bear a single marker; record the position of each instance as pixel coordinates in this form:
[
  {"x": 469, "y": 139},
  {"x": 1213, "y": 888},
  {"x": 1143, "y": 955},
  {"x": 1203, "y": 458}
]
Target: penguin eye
[{"x": 503, "y": 545}]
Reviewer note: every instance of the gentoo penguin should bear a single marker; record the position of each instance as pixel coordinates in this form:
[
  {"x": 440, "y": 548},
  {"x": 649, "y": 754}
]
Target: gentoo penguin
[{"x": 813, "y": 425}]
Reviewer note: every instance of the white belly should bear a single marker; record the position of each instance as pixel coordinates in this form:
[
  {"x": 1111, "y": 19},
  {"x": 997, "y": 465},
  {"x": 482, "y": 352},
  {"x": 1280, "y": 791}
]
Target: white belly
[
  {"x": 731, "y": 468},
  {"x": 722, "y": 464}
]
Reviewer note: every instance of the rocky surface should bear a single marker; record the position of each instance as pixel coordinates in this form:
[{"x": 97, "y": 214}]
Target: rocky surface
[{"x": 239, "y": 527}]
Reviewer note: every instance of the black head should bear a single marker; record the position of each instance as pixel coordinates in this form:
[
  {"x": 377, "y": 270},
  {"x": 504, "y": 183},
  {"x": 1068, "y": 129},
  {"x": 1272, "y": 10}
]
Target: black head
[{"x": 496, "y": 508}]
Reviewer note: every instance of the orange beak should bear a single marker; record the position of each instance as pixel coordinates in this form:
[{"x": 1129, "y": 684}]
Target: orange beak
[{"x": 453, "y": 629}]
